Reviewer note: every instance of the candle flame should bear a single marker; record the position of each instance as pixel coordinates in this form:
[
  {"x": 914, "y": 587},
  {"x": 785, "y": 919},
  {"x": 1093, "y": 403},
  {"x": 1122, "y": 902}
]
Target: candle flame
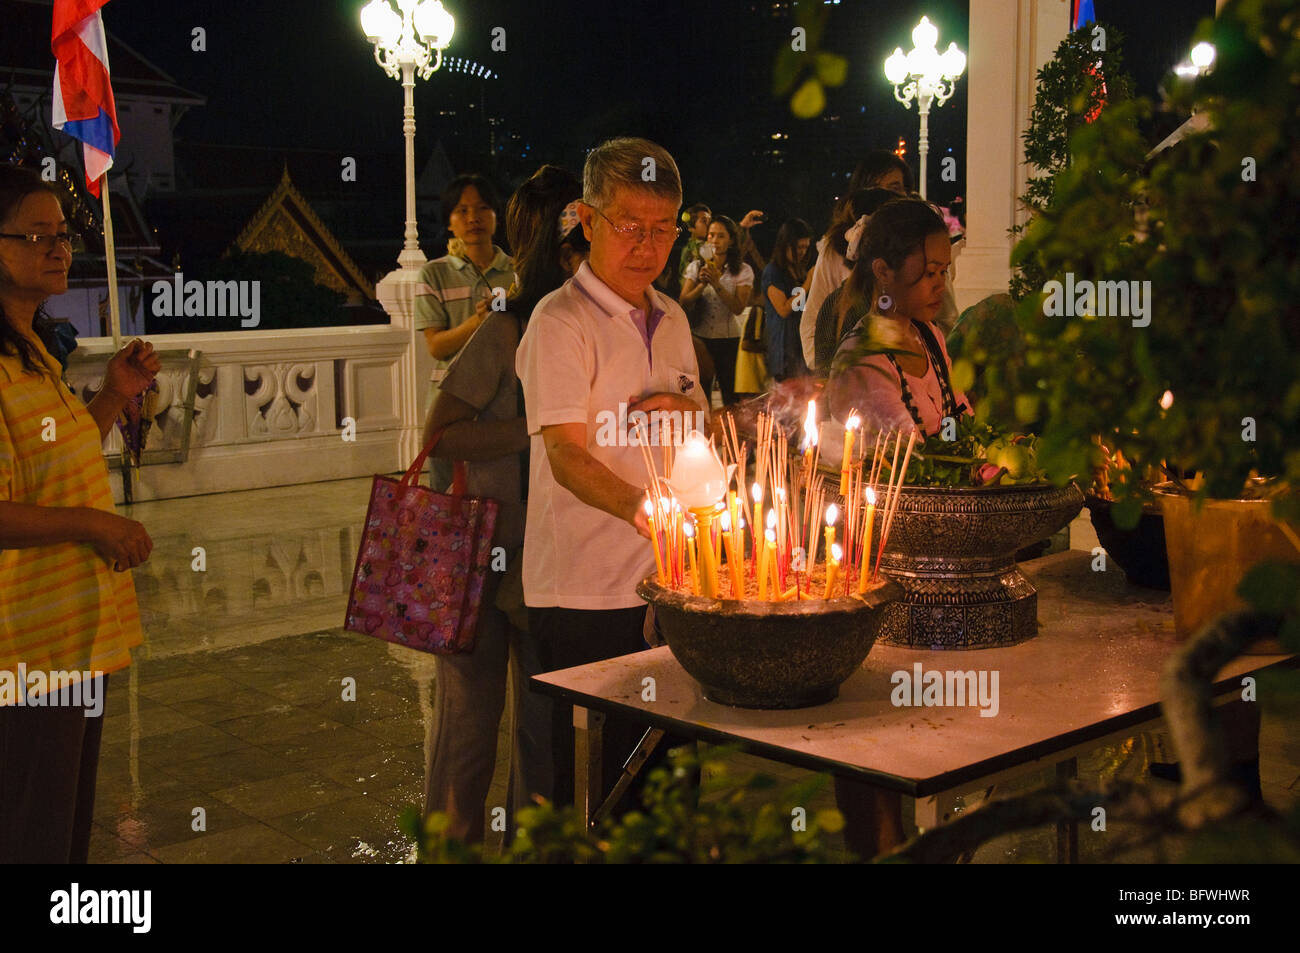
[
  {"x": 871, "y": 496},
  {"x": 689, "y": 530},
  {"x": 780, "y": 494},
  {"x": 1166, "y": 400},
  {"x": 853, "y": 423},
  {"x": 832, "y": 514},
  {"x": 810, "y": 426},
  {"x": 771, "y": 536},
  {"x": 756, "y": 492},
  {"x": 836, "y": 552},
  {"x": 771, "y": 520},
  {"x": 725, "y": 522},
  {"x": 649, "y": 507}
]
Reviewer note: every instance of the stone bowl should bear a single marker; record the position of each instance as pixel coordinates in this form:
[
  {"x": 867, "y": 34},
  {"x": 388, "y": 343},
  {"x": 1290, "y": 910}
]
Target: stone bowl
[
  {"x": 953, "y": 552},
  {"x": 753, "y": 654}
]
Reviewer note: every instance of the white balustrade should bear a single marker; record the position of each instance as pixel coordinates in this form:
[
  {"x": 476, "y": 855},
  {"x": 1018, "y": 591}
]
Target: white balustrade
[{"x": 270, "y": 407}]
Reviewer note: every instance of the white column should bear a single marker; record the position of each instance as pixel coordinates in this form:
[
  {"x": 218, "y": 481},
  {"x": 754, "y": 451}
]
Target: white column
[
  {"x": 396, "y": 293},
  {"x": 1010, "y": 40}
]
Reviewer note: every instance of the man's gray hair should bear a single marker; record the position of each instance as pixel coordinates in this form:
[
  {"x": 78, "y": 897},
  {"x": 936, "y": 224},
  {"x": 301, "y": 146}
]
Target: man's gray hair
[{"x": 631, "y": 163}]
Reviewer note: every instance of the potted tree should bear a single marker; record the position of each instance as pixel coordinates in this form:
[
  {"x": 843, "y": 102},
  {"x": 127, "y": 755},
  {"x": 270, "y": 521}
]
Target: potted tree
[{"x": 1168, "y": 321}]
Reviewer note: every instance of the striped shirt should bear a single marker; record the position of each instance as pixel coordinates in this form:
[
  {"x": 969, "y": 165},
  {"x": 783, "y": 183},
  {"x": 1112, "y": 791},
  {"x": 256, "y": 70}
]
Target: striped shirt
[
  {"x": 450, "y": 287},
  {"x": 62, "y": 607}
]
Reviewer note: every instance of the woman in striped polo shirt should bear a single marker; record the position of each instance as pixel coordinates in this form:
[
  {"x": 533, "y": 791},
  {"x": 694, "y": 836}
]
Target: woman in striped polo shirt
[{"x": 68, "y": 611}]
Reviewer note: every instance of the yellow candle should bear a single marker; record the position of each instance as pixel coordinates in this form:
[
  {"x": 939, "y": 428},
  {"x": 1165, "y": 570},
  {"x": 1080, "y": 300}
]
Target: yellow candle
[
  {"x": 781, "y": 519},
  {"x": 850, "y": 426},
  {"x": 774, "y": 572},
  {"x": 654, "y": 541},
  {"x": 809, "y": 434},
  {"x": 864, "y": 569},
  {"x": 832, "y": 568},
  {"x": 757, "y": 493},
  {"x": 764, "y": 559},
  {"x": 740, "y": 546},
  {"x": 832, "y": 514},
  {"x": 690, "y": 552},
  {"x": 733, "y": 562}
]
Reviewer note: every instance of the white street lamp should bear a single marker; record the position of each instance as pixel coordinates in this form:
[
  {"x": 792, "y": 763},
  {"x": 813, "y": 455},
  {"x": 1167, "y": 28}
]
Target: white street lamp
[
  {"x": 926, "y": 75},
  {"x": 406, "y": 44}
]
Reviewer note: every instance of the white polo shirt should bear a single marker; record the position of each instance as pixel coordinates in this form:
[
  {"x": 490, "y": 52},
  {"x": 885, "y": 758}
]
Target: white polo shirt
[{"x": 583, "y": 354}]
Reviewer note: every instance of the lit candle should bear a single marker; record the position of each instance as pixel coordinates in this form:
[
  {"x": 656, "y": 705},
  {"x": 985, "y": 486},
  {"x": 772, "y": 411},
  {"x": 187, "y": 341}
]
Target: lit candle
[
  {"x": 740, "y": 547},
  {"x": 865, "y": 567},
  {"x": 769, "y": 549},
  {"x": 809, "y": 434},
  {"x": 756, "y": 493},
  {"x": 654, "y": 541},
  {"x": 690, "y": 552},
  {"x": 832, "y": 568},
  {"x": 832, "y": 514},
  {"x": 733, "y": 561},
  {"x": 774, "y": 579},
  {"x": 782, "y": 521},
  {"x": 850, "y": 426}
]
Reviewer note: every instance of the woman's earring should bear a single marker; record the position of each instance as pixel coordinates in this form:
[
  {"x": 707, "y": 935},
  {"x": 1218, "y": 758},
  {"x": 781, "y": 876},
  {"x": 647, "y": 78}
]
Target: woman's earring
[{"x": 884, "y": 303}]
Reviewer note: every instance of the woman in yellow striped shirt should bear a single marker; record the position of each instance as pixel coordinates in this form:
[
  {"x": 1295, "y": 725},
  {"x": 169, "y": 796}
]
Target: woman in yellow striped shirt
[{"x": 68, "y": 611}]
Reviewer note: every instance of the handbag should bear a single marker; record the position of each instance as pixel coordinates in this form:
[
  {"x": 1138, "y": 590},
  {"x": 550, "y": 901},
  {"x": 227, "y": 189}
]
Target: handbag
[
  {"x": 751, "y": 338},
  {"x": 423, "y": 562}
]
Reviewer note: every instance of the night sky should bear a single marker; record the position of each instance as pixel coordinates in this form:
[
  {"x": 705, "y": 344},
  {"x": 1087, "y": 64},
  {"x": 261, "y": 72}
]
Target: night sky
[{"x": 695, "y": 76}]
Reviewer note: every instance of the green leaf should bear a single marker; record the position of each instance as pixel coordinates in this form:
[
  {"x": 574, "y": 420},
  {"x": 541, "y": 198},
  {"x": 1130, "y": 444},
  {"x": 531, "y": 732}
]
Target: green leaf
[
  {"x": 809, "y": 100},
  {"x": 963, "y": 374},
  {"x": 832, "y": 69},
  {"x": 1126, "y": 513},
  {"x": 786, "y": 70},
  {"x": 1271, "y": 587}
]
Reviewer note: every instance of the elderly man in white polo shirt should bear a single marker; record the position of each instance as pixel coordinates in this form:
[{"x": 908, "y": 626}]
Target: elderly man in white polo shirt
[{"x": 605, "y": 338}]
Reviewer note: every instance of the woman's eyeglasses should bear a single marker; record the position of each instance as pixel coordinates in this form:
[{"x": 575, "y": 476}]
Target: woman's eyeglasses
[
  {"x": 46, "y": 243},
  {"x": 660, "y": 234}
]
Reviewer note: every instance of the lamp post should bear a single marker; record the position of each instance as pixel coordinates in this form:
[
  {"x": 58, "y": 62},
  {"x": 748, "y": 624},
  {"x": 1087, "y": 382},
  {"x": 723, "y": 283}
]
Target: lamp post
[
  {"x": 925, "y": 75},
  {"x": 408, "y": 44}
]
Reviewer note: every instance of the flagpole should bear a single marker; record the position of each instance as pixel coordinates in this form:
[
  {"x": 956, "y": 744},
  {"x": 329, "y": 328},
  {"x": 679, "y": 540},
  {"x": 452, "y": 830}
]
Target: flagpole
[{"x": 110, "y": 255}]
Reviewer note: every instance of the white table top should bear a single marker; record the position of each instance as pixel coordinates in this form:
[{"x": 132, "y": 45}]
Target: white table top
[{"x": 1093, "y": 669}]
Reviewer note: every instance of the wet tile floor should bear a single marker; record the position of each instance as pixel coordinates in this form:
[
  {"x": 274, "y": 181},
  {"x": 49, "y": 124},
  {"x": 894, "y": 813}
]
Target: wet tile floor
[{"x": 229, "y": 740}]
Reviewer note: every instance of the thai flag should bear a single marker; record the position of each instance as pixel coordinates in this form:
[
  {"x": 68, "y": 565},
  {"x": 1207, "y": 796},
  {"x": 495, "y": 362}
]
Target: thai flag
[
  {"x": 1083, "y": 13},
  {"x": 83, "y": 94}
]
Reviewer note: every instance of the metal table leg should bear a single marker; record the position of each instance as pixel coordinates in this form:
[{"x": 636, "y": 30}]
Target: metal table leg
[
  {"x": 588, "y": 732},
  {"x": 1067, "y": 832}
]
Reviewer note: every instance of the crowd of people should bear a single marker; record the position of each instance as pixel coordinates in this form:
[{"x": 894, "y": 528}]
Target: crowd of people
[{"x": 614, "y": 297}]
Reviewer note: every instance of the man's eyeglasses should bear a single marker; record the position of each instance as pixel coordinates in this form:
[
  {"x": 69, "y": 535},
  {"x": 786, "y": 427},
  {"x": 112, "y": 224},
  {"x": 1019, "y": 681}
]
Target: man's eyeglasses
[
  {"x": 46, "y": 243},
  {"x": 660, "y": 234}
]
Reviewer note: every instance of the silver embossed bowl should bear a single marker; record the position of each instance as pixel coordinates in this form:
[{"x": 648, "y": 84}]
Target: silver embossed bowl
[
  {"x": 953, "y": 552},
  {"x": 755, "y": 654}
]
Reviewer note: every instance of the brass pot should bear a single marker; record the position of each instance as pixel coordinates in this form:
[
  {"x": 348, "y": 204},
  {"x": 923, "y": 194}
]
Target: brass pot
[{"x": 1210, "y": 550}]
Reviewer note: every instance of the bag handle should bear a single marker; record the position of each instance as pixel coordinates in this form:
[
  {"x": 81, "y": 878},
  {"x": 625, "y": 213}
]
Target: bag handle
[{"x": 412, "y": 474}]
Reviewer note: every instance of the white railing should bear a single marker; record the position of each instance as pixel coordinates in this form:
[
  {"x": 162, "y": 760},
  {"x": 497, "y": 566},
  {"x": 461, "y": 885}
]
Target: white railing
[{"x": 271, "y": 405}]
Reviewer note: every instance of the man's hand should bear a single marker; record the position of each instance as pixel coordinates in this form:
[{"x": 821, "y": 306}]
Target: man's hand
[
  {"x": 752, "y": 218},
  {"x": 122, "y": 543},
  {"x": 132, "y": 369},
  {"x": 664, "y": 400}
]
